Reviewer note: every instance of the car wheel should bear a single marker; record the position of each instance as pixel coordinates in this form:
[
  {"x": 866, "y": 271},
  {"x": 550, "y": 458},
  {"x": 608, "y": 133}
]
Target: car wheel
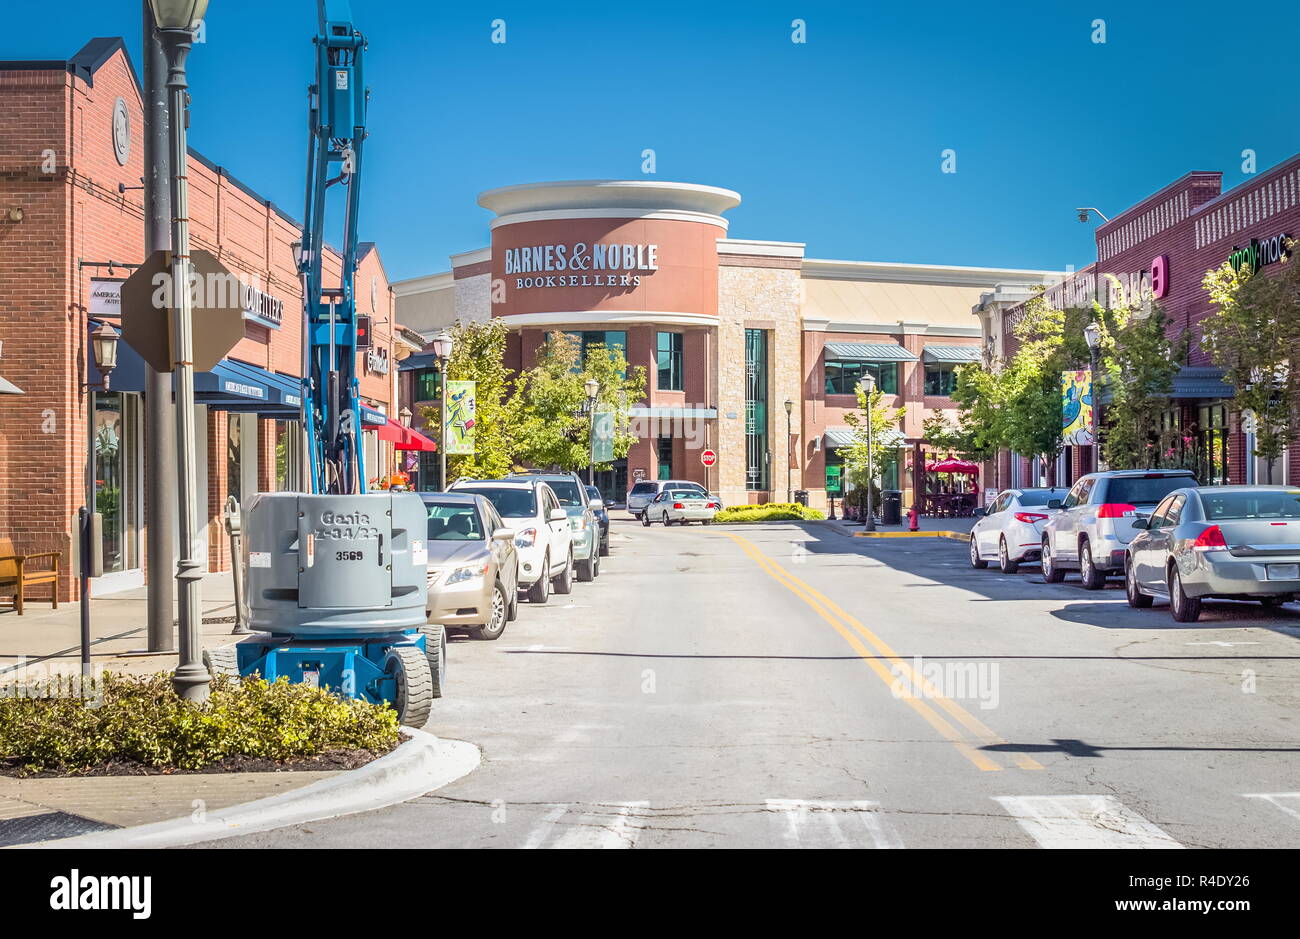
[
  {"x": 1005, "y": 563},
  {"x": 495, "y": 626},
  {"x": 540, "y": 592},
  {"x": 1051, "y": 573},
  {"x": 975, "y": 560},
  {"x": 645, "y": 519},
  {"x": 1184, "y": 609},
  {"x": 564, "y": 582},
  {"x": 435, "y": 652},
  {"x": 1136, "y": 598},
  {"x": 1093, "y": 579}
]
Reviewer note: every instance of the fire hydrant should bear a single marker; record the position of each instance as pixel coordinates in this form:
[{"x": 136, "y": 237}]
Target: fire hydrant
[{"x": 914, "y": 518}]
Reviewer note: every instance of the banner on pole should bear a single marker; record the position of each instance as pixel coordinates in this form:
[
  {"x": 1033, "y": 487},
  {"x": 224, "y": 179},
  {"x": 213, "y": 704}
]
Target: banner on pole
[
  {"x": 461, "y": 417},
  {"x": 602, "y": 441},
  {"x": 1076, "y": 409}
]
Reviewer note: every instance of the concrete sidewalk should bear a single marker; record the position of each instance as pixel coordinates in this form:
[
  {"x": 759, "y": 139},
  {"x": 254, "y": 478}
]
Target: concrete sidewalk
[
  {"x": 118, "y": 631},
  {"x": 963, "y": 525}
]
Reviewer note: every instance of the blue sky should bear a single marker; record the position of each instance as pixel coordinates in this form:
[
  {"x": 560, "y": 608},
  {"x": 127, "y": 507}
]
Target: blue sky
[{"x": 836, "y": 142}]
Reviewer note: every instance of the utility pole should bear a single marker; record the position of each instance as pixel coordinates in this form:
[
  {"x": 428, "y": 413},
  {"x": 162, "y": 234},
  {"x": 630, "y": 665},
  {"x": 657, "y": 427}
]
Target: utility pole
[{"x": 160, "y": 413}]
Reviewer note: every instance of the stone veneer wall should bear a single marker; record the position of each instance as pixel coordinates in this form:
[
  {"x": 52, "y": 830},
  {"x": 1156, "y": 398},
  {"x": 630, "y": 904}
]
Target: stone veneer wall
[
  {"x": 474, "y": 298},
  {"x": 758, "y": 297}
]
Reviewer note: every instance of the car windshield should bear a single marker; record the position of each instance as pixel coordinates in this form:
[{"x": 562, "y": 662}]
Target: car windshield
[
  {"x": 1040, "y": 496},
  {"x": 641, "y": 489},
  {"x": 509, "y": 503},
  {"x": 1265, "y": 503},
  {"x": 1145, "y": 490},
  {"x": 566, "y": 490},
  {"x": 453, "y": 522}
]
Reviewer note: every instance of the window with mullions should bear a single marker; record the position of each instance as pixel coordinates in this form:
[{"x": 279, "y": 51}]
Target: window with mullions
[
  {"x": 426, "y": 384},
  {"x": 610, "y": 339},
  {"x": 668, "y": 355},
  {"x": 842, "y": 376},
  {"x": 940, "y": 379},
  {"x": 757, "y": 455},
  {"x": 664, "y": 452}
]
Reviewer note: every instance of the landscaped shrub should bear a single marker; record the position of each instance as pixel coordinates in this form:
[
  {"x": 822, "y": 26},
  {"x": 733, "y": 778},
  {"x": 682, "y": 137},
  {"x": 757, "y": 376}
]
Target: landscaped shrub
[
  {"x": 141, "y": 719},
  {"x": 768, "y": 512}
]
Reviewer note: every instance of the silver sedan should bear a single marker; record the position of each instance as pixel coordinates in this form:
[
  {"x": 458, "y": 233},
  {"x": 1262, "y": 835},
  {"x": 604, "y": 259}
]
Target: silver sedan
[
  {"x": 1226, "y": 542},
  {"x": 681, "y": 507}
]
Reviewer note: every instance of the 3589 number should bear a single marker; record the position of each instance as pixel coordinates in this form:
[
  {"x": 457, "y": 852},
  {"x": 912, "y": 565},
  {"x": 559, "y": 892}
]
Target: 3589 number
[{"x": 348, "y": 556}]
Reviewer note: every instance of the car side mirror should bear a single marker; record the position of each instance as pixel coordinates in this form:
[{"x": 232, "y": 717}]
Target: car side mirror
[
  {"x": 1054, "y": 504},
  {"x": 597, "y": 503},
  {"x": 980, "y": 513},
  {"x": 1141, "y": 523},
  {"x": 557, "y": 515},
  {"x": 503, "y": 534}
]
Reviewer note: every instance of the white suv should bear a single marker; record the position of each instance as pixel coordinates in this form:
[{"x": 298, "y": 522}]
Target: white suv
[
  {"x": 1092, "y": 531},
  {"x": 542, "y": 534}
]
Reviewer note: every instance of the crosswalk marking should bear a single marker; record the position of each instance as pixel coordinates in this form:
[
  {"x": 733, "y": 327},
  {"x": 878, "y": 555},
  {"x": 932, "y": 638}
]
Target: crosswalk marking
[
  {"x": 1288, "y": 802},
  {"x": 1083, "y": 822},
  {"x": 618, "y": 825},
  {"x": 814, "y": 824}
]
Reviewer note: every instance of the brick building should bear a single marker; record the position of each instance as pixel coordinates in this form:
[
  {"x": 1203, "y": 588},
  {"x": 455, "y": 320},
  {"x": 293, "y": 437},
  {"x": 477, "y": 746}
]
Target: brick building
[
  {"x": 71, "y": 162},
  {"x": 728, "y": 329}
]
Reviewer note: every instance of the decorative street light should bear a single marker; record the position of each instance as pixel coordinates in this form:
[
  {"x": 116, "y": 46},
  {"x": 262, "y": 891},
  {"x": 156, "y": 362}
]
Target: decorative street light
[
  {"x": 176, "y": 21},
  {"x": 443, "y": 346},
  {"x": 868, "y": 387},
  {"x": 103, "y": 346},
  {"x": 789, "y": 410},
  {"x": 1092, "y": 336},
  {"x": 592, "y": 387},
  {"x": 405, "y": 415}
]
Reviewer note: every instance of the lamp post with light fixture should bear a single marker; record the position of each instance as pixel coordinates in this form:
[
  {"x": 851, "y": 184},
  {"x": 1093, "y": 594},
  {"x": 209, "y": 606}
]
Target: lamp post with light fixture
[
  {"x": 176, "y": 21},
  {"x": 789, "y": 416},
  {"x": 443, "y": 346},
  {"x": 103, "y": 347},
  {"x": 868, "y": 387},
  {"x": 592, "y": 388},
  {"x": 1092, "y": 335}
]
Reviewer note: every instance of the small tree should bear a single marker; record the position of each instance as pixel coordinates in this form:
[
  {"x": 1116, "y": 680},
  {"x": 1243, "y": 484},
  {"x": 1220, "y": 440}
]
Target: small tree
[
  {"x": 1139, "y": 361},
  {"x": 863, "y": 462}
]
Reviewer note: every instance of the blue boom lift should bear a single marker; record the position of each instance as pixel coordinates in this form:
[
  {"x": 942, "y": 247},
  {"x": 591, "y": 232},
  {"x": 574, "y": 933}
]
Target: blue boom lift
[{"x": 336, "y": 581}]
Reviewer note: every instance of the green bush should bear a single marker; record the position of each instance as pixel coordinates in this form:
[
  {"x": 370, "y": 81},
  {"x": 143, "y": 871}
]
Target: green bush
[
  {"x": 141, "y": 719},
  {"x": 769, "y": 512}
]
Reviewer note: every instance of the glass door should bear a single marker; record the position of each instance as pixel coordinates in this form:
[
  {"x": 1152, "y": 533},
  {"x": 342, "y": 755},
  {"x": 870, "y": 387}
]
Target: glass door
[{"x": 117, "y": 478}]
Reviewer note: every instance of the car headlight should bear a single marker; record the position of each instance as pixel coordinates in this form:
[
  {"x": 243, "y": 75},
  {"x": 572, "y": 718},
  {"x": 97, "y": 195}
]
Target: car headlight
[
  {"x": 526, "y": 538},
  {"x": 578, "y": 523},
  {"x": 462, "y": 574}
]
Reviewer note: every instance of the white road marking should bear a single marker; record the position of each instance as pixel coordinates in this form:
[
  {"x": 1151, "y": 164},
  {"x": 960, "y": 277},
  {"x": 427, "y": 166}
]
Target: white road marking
[
  {"x": 825, "y": 830},
  {"x": 1288, "y": 802},
  {"x": 591, "y": 829},
  {"x": 1083, "y": 822},
  {"x": 1220, "y": 642}
]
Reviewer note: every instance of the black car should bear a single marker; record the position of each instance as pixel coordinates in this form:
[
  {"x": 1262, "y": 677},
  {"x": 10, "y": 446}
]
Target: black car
[{"x": 602, "y": 518}]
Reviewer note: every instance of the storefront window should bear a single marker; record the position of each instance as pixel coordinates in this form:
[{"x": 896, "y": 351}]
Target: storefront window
[
  {"x": 288, "y": 456},
  {"x": 426, "y": 384},
  {"x": 234, "y": 456},
  {"x": 834, "y": 473},
  {"x": 664, "y": 452},
  {"x": 842, "y": 376},
  {"x": 1212, "y": 445},
  {"x": 117, "y": 477},
  {"x": 669, "y": 361},
  {"x": 757, "y": 455},
  {"x": 940, "y": 379}
]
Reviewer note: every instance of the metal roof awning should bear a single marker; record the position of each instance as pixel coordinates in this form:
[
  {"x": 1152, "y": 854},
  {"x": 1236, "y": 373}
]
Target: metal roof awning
[
  {"x": 417, "y": 361},
  {"x": 843, "y": 437},
  {"x": 869, "y": 352},
  {"x": 958, "y": 355},
  {"x": 9, "y": 388},
  {"x": 1201, "y": 382}
]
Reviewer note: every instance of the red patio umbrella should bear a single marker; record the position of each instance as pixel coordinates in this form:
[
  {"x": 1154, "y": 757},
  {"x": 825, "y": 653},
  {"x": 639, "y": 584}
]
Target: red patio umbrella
[{"x": 960, "y": 467}]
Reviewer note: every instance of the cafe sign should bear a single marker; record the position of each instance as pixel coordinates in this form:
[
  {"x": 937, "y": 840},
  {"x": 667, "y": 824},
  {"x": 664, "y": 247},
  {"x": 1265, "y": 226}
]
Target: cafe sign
[{"x": 581, "y": 265}]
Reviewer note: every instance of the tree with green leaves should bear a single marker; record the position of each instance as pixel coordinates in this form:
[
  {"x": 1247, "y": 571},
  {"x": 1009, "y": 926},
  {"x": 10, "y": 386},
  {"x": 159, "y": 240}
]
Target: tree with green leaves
[
  {"x": 1252, "y": 337},
  {"x": 864, "y": 459},
  {"x": 478, "y": 355},
  {"x": 554, "y": 430}
]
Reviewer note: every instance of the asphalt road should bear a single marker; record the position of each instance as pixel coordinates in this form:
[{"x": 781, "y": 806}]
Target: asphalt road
[{"x": 785, "y": 685}]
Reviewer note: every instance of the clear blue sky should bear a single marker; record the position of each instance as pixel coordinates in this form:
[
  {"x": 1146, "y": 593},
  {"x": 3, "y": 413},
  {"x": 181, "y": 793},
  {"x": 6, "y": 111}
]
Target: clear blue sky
[{"x": 835, "y": 142}]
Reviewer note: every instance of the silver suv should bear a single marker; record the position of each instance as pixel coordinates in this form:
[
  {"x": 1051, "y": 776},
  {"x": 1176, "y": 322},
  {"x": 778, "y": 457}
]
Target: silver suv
[{"x": 1092, "y": 531}]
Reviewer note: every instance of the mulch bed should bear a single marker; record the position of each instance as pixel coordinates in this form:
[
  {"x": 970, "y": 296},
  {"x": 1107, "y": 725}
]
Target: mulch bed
[{"x": 329, "y": 760}]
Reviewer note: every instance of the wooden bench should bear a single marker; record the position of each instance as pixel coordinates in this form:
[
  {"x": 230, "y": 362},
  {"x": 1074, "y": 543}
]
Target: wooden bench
[{"x": 16, "y": 578}]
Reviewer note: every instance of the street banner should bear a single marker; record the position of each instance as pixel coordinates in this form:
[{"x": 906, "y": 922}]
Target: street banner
[
  {"x": 1076, "y": 408},
  {"x": 602, "y": 440},
  {"x": 461, "y": 416}
]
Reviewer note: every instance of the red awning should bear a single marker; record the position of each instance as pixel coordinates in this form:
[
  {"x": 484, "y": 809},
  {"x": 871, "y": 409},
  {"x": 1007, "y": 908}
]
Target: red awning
[
  {"x": 405, "y": 438},
  {"x": 960, "y": 467}
]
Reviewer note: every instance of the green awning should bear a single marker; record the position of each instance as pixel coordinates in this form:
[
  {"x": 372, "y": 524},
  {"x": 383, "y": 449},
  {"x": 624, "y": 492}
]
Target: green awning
[
  {"x": 868, "y": 352},
  {"x": 958, "y": 355}
]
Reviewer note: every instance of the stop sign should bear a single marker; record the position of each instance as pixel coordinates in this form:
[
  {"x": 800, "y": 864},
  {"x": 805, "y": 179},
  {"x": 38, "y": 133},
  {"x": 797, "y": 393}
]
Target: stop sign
[{"x": 709, "y": 458}]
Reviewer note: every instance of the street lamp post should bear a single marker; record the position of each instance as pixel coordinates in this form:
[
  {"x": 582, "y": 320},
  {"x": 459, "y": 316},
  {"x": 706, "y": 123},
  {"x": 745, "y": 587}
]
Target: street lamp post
[
  {"x": 592, "y": 387},
  {"x": 176, "y": 21},
  {"x": 443, "y": 345},
  {"x": 868, "y": 387},
  {"x": 103, "y": 346},
  {"x": 1092, "y": 335},
  {"x": 789, "y": 410}
]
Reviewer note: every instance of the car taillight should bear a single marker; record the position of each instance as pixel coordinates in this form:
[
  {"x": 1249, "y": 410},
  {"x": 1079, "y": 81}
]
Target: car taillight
[
  {"x": 1210, "y": 540},
  {"x": 1029, "y": 517},
  {"x": 1116, "y": 510},
  {"x": 713, "y": 505},
  {"x": 678, "y": 505}
]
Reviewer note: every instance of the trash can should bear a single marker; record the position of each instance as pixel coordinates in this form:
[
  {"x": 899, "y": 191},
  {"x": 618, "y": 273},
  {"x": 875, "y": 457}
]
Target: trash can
[
  {"x": 891, "y": 509},
  {"x": 801, "y": 496}
]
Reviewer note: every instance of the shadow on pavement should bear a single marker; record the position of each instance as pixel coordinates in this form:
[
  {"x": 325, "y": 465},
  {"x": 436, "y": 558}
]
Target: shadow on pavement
[{"x": 1079, "y": 748}]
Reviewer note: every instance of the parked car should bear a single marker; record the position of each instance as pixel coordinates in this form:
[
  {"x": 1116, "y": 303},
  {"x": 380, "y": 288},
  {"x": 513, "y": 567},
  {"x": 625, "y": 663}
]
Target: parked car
[
  {"x": 473, "y": 568},
  {"x": 543, "y": 538},
  {"x": 643, "y": 493},
  {"x": 602, "y": 518},
  {"x": 1092, "y": 531},
  {"x": 1011, "y": 528},
  {"x": 572, "y": 493},
  {"x": 1223, "y": 542},
  {"x": 680, "y": 507}
]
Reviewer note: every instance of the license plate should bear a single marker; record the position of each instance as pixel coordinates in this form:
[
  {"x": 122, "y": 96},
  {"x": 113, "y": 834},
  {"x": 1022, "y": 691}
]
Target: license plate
[
  {"x": 1284, "y": 572},
  {"x": 311, "y": 677}
]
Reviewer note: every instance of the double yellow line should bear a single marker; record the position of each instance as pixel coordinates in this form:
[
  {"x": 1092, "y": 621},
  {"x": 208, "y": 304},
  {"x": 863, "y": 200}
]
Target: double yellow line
[{"x": 887, "y": 664}]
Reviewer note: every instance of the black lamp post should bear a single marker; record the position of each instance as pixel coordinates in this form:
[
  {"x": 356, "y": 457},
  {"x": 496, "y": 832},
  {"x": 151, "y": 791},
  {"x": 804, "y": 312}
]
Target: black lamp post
[
  {"x": 443, "y": 346},
  {"x": 103, "y": 347},
  {"x": 1092, "y": 335},
  {"x": 592, "y": 387},
  {"x": 868, "y": 387},
  {"x": 789, "y": 411}
]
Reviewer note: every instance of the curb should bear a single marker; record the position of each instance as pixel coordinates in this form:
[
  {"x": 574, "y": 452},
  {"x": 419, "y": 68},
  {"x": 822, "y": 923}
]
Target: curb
[
  {"x": 949, "y": 535},
  {"x": 420, "y": 765}
]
